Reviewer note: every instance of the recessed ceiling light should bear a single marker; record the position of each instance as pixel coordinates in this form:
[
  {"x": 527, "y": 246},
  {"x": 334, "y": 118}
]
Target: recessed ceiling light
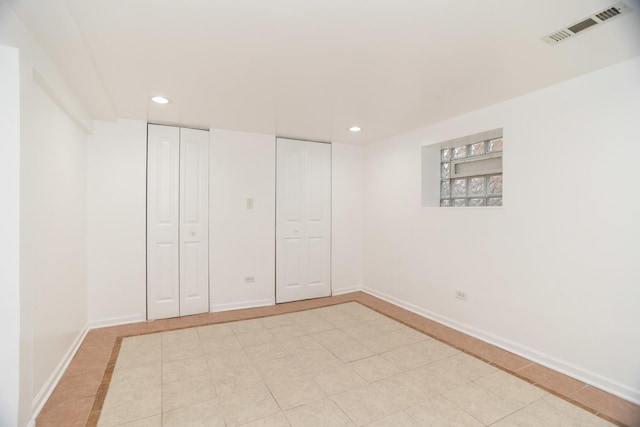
[
  {"x": 355, "y": 128},
  {"x": 160, "y": 100}
]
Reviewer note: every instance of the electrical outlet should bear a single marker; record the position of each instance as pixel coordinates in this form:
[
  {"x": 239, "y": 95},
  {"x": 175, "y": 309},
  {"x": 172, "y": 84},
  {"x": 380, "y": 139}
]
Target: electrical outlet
[
  {"x": 461, "y": 295},
  {"x": 249, "y": 279}
]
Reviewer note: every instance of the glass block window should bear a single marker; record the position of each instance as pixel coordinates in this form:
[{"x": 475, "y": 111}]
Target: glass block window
[{"x": 471, "y": 174}]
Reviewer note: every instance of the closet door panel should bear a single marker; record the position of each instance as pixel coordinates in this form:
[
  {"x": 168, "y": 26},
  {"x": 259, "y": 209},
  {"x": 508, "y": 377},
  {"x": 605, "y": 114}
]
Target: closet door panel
[
  {"x": 303, "y": 220},
  {"x": 194, "y": 221},
  {"x": 162, "y": 222}
]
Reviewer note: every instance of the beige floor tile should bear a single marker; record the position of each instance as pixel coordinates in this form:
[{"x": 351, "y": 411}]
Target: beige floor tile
[
  {"x": 181, "y": 350},
  {"x": 287, "y": 332},
  {"x": 552, "y": 410},
  {"x": 155, "y": 421},
  {"x": 248, "y": 339},
  {"x": 362, "y": 331},
  {"x": 138, "y": 357},
  {"x": 350, "y": 352},
  {"x": 245, "y": 326},
  {"x": 295, "y": 392},
  {"x": 318, "y": 414},
  {"x": 204, "y": 414},
  {"x": 249, "y": 405},
  {"x": 121, "y": 408},
  {"x": 278, "y": 420},
  {"x": 215, "y": 332},
  {"x": 222, "y": 361},
  {"x": 285, "y": 367},
  {"x": 510, "y": 388},
  {"x": 184, "y": 369},
  {"x": 439, "y": 377},
  {"x": 267, "y": 351},
  {"x": 220, "y": 345},
  {"x": 384, "y": 324},
  {"x": 308, "y": 355},
  {"x": 180, "y": 336},
  {"x": 442, "y": 413},
  {"x": 301, "y": 344},
  {"x": 435, "y": 349},
  {"x": 278, "y": 321},
  {"x": 317, "y": 360},
  {"x": 468, "y": 366},
  {"x": 404, "y": 390},
  {"x": 373, "y": 368},
  {"x": 147, "y": 376},
  {"x": 187, "y": 392},
  {"x": 407, "y": 358},
  {"x": 520, "y": 418},
  {"x": 237, "y": 380},
  {"x": 366, "y": 404},
  {"x": 334, "y": 381},
  {"x": 481, "y": 404},
  {"x": 399, "y": 419},
  {"x": 316, "y": 326}
]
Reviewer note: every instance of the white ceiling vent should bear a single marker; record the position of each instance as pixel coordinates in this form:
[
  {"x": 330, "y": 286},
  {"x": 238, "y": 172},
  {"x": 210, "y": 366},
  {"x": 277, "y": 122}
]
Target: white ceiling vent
[{"x": 618, "y": 9}]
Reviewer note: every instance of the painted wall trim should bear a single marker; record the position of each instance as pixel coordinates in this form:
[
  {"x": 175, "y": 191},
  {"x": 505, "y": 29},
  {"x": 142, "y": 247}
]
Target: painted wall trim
[
  {"x": 342, "y": 291},
  {"x": 115, "y": 321},
  {"x": 244, "y": 304},
  {"x": 543, "y": 359},
  {"x": 50, "y": 385}
]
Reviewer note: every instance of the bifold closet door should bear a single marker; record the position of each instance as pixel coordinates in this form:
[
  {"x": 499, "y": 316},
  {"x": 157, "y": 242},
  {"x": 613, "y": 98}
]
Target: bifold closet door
[
  {"x": 303, "y": 220},
  {"x": 177, "y": 221},
  {"x": 194, "y": 221}
]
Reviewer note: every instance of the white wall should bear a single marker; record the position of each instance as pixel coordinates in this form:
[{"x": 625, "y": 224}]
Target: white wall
[
  {"x": 553, "y": 274},
  {"x": 117, "y": 156},
  {"x": 52, "y": 218},
  {"x": 9, "y": 234},
  {"x": 241, "y": 240},
  {"x": 347, "y": 217},
  {"x": 54, "y": 235}
]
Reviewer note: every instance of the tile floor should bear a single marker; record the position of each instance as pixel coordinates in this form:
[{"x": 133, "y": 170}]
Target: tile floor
[{"x": 326, "y": 362}]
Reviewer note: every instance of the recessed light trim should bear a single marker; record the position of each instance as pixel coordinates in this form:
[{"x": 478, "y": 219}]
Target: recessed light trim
[
  {"x": 160, "y": 100},
  {"x": 355, "y": 129}
]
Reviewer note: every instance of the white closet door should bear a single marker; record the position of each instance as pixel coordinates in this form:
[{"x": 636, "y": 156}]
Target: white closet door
[
  {"x": 163, "y": 277},
  {"x": 303, "y": 220},
  {"x": 194, "y": 221}
]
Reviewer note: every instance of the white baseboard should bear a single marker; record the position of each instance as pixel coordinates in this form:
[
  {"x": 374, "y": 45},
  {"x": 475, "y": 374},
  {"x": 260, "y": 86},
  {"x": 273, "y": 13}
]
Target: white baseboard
[
  {"x": 342, "y": 291},
  {"x": 586, "y": 376},
  {"x": 115, "y": 321},
  {"x": 45, "y": 392},
  {"x": 244, "y": 304}
]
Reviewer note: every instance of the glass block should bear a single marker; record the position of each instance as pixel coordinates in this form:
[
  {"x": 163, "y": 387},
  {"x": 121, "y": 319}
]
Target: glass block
[
  {"x": 494, "y": 201},
  {"x": 446, "y": 171},
  {"x": 477, "y": 186},
  {"x": 495, "y": 184},
  {"x": 495, "y": 145},
  {"x": 459, "y": 202},
  {"x": 477, "y": 149},
  {"x": 446, "y": 154},
  {"x": 460, "y": 152},
  {"x": 459, "y": 187},
  {"x": 445, "y": 202},
  {"x": 445, "y": 189},
  {"x": 476, "y": 201}
]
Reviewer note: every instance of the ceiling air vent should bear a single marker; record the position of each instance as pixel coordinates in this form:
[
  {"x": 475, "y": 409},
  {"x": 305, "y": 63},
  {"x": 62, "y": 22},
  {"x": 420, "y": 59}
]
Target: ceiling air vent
[{"x": 618, "y": 9}]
